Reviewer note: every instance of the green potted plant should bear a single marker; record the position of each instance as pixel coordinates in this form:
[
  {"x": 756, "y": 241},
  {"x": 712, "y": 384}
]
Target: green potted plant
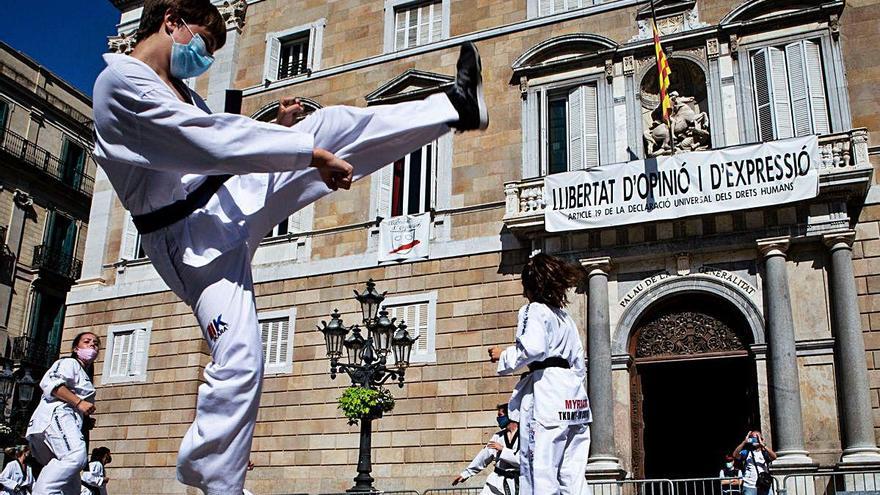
[{"x": 365, "y": 403}]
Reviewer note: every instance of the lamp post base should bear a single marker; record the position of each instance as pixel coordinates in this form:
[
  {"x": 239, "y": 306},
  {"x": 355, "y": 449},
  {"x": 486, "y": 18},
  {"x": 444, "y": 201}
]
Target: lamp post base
[{"x": 363, "y": 482}]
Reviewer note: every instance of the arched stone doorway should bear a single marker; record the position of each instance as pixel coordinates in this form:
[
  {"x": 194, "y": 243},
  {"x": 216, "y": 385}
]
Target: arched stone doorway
[{"x": 693, "y": 385}]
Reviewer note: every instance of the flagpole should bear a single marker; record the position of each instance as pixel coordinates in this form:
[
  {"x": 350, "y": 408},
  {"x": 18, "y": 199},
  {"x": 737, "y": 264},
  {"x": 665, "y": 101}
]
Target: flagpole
[{"x": 669, "y": 120}]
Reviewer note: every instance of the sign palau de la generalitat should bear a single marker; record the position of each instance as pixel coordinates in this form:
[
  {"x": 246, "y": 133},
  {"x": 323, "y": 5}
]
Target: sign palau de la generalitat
[
  {"x": 731, "y": 278},
  {"x": 683, "y": 185}
]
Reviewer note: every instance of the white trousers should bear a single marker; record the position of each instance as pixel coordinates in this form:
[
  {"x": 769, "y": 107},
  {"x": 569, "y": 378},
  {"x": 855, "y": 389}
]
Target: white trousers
[
  {"x": 61, "y": 449},
  {"x": 214, "y": 452},
  {"x": 553, "y": 460},
  {"x": 495, "y": 485}
]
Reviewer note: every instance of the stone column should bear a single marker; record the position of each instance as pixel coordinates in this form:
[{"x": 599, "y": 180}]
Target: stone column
[
  {"x": 785, "y": 394},
  {"x": 859, "y": 444},
  {"x": 603, "y": 462}
]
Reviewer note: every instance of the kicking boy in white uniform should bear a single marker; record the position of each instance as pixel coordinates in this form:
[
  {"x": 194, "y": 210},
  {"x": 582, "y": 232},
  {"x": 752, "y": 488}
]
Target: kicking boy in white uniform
[{"x": 204, "y": 188}]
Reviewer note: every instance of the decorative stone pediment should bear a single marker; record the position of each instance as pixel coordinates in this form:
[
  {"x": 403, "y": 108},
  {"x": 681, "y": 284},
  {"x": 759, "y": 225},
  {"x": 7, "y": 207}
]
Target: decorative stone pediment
[
  {"x": 561, "y": 50},
  {"x": 410, "y": 85},
  {"x": 673, "y": 16},
  {"x": 233, "y": 13},
  {"x": 758, "y": 9},
  {"x": 268, "y": 112}
]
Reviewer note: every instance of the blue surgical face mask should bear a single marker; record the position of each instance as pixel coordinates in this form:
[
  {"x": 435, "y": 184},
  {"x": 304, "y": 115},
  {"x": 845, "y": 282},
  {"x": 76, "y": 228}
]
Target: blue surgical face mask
[
  {"x": 191, "y": 59},
  {"x": 503, "y": 421}
]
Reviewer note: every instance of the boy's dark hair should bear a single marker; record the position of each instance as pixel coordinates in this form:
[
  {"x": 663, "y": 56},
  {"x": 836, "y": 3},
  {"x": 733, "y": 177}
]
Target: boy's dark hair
[
  {"x": 546, "y": 279},
  {"x": 199, "y": 12},
  {"x": 503, "y": 407},
  {"x": 99, "y": 453}
]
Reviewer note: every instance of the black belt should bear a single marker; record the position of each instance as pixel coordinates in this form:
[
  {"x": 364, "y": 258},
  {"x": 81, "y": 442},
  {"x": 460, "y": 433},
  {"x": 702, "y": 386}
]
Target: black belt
[
  {"x": 177, "y": 211},
  {"x": 507, "y": 473},
  {"x": 554, "y": 362}
]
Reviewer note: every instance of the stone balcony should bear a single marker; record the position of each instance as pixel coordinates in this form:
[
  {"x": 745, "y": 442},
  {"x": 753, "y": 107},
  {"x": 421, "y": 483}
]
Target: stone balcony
[{"x": 845, "y": 170}]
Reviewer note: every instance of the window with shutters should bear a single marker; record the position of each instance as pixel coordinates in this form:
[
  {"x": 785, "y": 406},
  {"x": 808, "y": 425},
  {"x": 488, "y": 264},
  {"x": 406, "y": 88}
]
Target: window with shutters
[
  {"x": 569, "y": 127},
  {"x": 293, "y": 52},
  {"x": 276, "y": 330},
  {"x": 411, "y": 23},
  {"x": 418, "y": 24},
  {"x": 419, "y": 312},
  {"x": 130, "y": 247},
  {"x": 550, "y": 7},
  {"x": 408, "y": 186},
  {"x": 291, "y": 225},
  {"x": 789, "y": 90},
  {"x": 127, "y": 353}
]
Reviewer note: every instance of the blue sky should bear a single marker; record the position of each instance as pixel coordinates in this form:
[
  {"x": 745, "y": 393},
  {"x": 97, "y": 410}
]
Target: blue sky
[{"x": 66, "y": 36}]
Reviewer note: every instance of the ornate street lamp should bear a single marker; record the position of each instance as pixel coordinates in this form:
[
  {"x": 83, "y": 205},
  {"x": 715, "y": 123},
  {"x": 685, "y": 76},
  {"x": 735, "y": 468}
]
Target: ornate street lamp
[
  {"x": 367, "y": 365},
  {"x": 26, "y": 386},
  {"x": 370, "y": 301},
  {"x": 402, "y": 344}
]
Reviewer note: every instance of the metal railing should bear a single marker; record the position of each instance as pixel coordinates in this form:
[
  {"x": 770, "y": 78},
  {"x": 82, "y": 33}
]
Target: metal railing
[
  {"x": 831, "y": 483},
  {"x": 50, "y": 99},
  {"x": 57, "y": 261},
  {"x": 19, "y": 147},
  {"x": 34, "y": 352},
  {"x": 380, "y": 492},
  {"x": 454, "y": 491},
  {"x": 632, "y": 487}
]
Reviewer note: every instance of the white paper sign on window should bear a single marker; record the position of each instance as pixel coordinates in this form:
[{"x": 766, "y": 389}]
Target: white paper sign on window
[{"x": 405, "y": 237}]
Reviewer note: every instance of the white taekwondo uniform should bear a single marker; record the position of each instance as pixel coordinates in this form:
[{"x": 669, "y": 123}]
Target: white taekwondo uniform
[
  {"x": 155, "y": 149},
  {"x": 506, "y": 465},
  {"x": 55, "y": 429},
  {"x": 93, "y": 479},
  {"x": 16, "y": 479},
  {"x": 551, "y": 401}
]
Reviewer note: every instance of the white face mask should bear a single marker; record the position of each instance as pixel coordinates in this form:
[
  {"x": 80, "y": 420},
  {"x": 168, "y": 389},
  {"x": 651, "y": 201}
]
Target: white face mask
[{"x": 729, "y": 465}]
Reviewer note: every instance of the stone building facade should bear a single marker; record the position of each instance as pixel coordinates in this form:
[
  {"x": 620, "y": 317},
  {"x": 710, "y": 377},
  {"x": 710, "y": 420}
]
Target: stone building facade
[
  {"x": 697, "y": 328},
  {"x": 46, "y": 181}
]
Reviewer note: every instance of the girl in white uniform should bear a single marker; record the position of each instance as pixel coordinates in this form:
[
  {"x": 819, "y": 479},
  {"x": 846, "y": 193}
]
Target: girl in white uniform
[
  {"x": 17, "y": 477},
  {"x": 550, "y": 398},
  {"x": 503, "y": 450},
  {"x": 55, "y": 429},
  {"x": 95, "y": 479},
  {"x": 204, "y": 188}
]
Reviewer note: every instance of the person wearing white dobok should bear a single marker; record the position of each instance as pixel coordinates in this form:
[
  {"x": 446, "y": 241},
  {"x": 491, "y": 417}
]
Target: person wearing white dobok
[
  {"x": 550, "y": 398},
  {"x": 204, "y": 188},
  {"x": 17, "y": 477},
  {"x": 55, "y": 430},
  {"x": 503, "y": 450},
  {"x": 95, "y": 478}
]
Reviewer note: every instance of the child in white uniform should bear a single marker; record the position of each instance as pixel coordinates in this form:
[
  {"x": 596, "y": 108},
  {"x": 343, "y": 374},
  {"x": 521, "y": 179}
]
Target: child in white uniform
[
  {"x": 550, "y": 398},
  {"x": 503, "y": 450},
  {"x": 204, "y": 189},
  {"x": 17, "y": 477},
  {"x": 95, "y": 479},
  {"x": 55, "y": 429}
]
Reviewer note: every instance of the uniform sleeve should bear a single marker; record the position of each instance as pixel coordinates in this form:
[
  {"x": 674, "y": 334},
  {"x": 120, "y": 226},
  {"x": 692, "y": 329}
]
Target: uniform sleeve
[
  {"x": 95, "y": 475},
  {"x": 163, "y": 133},
  {"x": 531, "y": 341},
  {"x": 7, "y": 477},
  {"x": 63, "y": 372},
  {"x": 481, "y": 461}
]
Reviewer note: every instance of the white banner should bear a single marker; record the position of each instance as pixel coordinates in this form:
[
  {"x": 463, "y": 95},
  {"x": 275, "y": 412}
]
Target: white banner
[
  {"x": 404, "y": 237},
  {"x": 683, "y": 185}
]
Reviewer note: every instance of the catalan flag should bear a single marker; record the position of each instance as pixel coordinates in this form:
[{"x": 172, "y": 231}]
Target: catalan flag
[{"x": 663, "y": 72}]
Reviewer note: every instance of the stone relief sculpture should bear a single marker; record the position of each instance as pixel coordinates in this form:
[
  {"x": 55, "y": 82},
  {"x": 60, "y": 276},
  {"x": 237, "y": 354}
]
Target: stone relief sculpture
[{"x": 690, "y": 128}]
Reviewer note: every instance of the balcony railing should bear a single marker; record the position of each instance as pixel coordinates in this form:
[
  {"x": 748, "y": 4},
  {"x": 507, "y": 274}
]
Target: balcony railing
[
  {"x": 34, "y": 352},
  {"x": 50, "y": 99},
  {"x": 56, "y": 261},
  {"x": 20, "y": 148},
  {"x": 844, "y": 164}
]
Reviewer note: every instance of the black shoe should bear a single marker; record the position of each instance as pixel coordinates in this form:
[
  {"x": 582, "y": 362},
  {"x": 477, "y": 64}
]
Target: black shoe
[{"x": 466, "y": 94}]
